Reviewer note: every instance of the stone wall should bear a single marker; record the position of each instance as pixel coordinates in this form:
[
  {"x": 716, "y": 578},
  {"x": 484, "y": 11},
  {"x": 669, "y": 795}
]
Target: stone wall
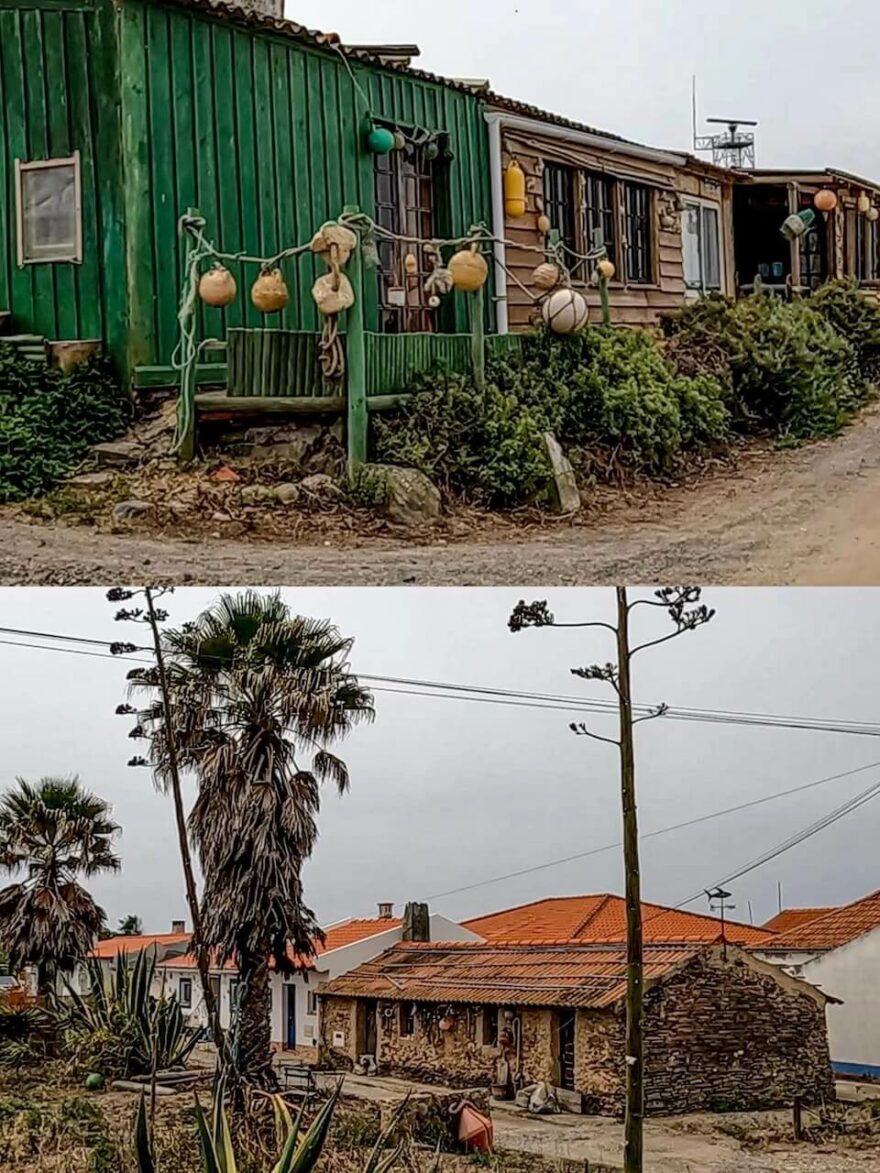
[
  {"x": 339, "y": 1015},
  {"x": 718, "y": 1037}
]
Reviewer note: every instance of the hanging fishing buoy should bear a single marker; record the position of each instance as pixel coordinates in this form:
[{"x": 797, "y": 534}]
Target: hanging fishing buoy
[
  {"x": 469, "y": 270},
  {"x": 333, "y": 293},
  {"x": 825, "y": 200},
  {"x": 515, "y": 203},
  {"x": 873, "y": 214},
  {"x": 606, "y": 269},
  {"x": 864, "y": 203},
  {"x": 217, "y": 287},
  {"x": 380, "y": 140},
  {"x": 411, "y": 264},
  {"x": 544, "y": 225},
  {"x": 269, "y": 292},
  {"x": 565, "y": 311},
  {"x": 546, "y": 276}
]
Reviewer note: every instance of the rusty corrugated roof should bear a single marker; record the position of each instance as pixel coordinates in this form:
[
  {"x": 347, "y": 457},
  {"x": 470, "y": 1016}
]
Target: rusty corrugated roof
[
  {"x": 526, "y": 975},
  {"x": 602, "y": 919}
]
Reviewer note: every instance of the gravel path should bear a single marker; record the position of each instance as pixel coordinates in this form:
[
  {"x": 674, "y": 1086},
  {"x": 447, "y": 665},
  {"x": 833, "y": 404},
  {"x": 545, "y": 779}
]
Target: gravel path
[{"x": 810, "y": 516}]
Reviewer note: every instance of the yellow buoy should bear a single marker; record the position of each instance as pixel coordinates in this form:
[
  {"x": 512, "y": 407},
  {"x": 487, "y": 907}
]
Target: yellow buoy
[
  {"x": 469, "y": 270},
  {"x": 515, "y": 203}
]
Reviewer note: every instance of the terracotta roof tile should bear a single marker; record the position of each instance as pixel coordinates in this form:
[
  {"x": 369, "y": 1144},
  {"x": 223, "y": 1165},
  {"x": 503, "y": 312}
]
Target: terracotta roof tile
[
  {"x": 536, "y": 975},
  {"x": 835, "y": 928},
  {"x": 793, "y": 918},
  {"x": 602, "y": 919},
  {"x": 107, "y": 950}
]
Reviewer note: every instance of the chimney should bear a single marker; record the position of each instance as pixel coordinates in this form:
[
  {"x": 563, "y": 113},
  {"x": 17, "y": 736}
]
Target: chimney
[
  {"x": 178, "y": 926},
  {"x": 416, "y": 923},
  {"x": 386, "y": 910}
]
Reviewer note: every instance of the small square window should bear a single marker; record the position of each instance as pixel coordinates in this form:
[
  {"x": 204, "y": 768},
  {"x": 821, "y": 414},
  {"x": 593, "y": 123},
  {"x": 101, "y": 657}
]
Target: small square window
[
  {"x": 185, "y": 993},
  {"x": 490, "y": 1026},
  {"x": 48, "y": 208},
  {"x": 312, "y": 1002},
  {"x": 408, "y": 1012}
]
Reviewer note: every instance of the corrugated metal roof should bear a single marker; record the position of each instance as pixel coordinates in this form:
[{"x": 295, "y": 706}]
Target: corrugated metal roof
[
  {"x": 837, "y": 927},
  {"x": 793, "y": 918},
  {"x": 602, "y": 919},
  {"x": 527, "y": 975}
]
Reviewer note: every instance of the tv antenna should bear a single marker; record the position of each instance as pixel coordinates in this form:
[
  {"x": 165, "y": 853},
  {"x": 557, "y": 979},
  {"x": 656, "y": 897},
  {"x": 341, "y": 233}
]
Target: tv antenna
[{"x": 733, "y": 148}]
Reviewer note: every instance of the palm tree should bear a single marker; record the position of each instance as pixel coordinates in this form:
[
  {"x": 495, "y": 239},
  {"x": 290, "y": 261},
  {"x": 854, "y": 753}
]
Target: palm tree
[
  {"x": 54, "y": 832},
  {"x": 259, "y": 696},
  {"x": 130, "y": 926}
]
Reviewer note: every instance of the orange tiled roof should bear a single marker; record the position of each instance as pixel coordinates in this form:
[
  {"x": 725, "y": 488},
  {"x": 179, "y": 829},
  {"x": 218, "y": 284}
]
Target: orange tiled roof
[
  {"x": 526, "y": 975},
  {"x": 793, "y": 918},
  {"x": 107, "y": 950},
  {"x": 336, "y": 937},
  {"x": 602, "y": 919},
  {"x": 835, "y": 928}
]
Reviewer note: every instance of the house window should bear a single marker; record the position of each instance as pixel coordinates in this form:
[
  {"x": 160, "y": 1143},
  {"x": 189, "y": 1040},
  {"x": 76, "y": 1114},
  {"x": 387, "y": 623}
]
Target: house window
[
  {"x": 559, "y": 202},
  {"x": 813, "y": 247},
  {"x": 408, "y": 1013},
  {"x": 700, "y": 225},
  {"x": 489, "y": 1019},
  {"x": 405, "y": 184},
  {"x": 185, "y": 993},
  {"x": 865, "y": 247},
  {"x": 599, "y": 213},
  {"x": 48, "y": 211},
  {"x": 312, "y": 1002},
  {"x": 638, "y": 245},
  {"x": 234, "y": 993}
]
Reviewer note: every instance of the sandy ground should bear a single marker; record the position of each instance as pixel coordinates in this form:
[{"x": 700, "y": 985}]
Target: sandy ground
[
  {"x": 809, "y": 516},
  {"x": 689, "y": 1144}
]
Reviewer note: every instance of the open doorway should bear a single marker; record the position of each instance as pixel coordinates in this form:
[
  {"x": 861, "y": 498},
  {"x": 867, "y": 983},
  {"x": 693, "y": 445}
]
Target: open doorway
[
  {"x": 761, "y": 251},
  {"x": 565, "y": 1048},
  {"x": 290, "y": 1017},
  {"x": 366, "y": 1027}
]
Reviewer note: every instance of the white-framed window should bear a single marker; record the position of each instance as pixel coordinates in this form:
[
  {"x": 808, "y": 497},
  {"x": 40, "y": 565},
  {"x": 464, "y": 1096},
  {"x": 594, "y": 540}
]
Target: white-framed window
[
  {"x": 701, "y": 233},
  {"x": 48, "y": 198},
  {"x": 185, "y": 993},
  {"x": 312, "y": 1002}
]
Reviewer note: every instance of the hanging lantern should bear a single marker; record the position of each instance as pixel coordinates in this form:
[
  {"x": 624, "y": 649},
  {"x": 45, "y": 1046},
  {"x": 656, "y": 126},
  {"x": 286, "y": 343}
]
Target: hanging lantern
[
  {"x": 825, "y": 200},
  {"x": 544, "y": 225},
  {"x": 565, "y": 311},
  {"x": 411, "y": 264},
  {"x": 380, "y": 140},
  {"x": 873, "y": 214},
  {"x": 469, "y": 270},
  {"x": 269, "y": 293},
  {"x": 515, "y": 203},
  {"x": 217, "y": 287},
  {"x": 546, "y": 276},
  {"x": 606, "y": 269},
  {"x": 864, "y": 203}
]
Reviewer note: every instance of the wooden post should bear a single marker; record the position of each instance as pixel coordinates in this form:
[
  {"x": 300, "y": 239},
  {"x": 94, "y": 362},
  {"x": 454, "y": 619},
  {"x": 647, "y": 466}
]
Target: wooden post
[
  {"x": 635, "y": 1072},
  {"x": 186, "y": 403},
  {"x": 478, "y": 337},
  {"x": 356, "y": 360}
]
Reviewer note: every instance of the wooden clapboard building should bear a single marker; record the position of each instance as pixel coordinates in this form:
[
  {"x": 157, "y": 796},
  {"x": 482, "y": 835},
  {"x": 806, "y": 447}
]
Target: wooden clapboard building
[
  {"x": 665, "y": 217},
  {"x": 116, "y": 116}
]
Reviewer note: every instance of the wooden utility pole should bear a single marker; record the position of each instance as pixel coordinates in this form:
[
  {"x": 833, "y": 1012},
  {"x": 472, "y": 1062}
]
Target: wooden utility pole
[
  {"x": 192, "y": 898},
  {"x": 635, "y": 1068}
]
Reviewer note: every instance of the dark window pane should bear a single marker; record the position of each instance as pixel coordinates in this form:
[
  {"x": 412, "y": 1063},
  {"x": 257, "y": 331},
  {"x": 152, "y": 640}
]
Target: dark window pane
[
  {"x": 638, "y": 253},
  {"x": 599, "y": 213},
  {"x": 559, "y": 203}
]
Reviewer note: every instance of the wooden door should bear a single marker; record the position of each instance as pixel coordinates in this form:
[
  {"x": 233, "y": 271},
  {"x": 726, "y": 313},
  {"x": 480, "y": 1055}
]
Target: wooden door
[
  {"x": 565, "y": 1025},
  {"x": 290, "y": 1017},
  {"x": 367, "y": 1041}
]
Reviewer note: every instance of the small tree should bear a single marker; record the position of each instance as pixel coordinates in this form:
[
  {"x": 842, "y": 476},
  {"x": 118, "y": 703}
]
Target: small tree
[
  {"x": 54, "y": 832},
  {"x": 683, "y": 606},
  {"x": 130, "y": 926}
]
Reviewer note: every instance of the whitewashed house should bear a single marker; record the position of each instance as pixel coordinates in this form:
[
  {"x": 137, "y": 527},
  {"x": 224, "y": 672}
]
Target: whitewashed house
[
  {"x": 348, "y": 944},
  {"x": 839, "y": 951}
]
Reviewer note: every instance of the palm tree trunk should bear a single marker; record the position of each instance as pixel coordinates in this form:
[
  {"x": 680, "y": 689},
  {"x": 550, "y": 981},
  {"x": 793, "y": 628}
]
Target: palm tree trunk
[
  {"x": 45, "y": 979},
  {"x": 253, "y": 1034}
]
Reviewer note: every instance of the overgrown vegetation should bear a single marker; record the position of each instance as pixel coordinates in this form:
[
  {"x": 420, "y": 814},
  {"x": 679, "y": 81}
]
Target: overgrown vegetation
[
  {"x": 49, "y": 419},
  {"x": 620, "y": 401},
  {"x": 119, "y": 1028},
  {"x": 21, "y": 1034}
]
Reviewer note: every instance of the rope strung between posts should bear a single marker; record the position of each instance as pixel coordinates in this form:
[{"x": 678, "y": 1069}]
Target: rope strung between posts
[{"x": 186, "y": 352}]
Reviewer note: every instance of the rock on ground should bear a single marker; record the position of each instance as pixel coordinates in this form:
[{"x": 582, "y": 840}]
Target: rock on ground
[
  {"x": 404, "y": 495},
  {"x": 563, "y": 491}
]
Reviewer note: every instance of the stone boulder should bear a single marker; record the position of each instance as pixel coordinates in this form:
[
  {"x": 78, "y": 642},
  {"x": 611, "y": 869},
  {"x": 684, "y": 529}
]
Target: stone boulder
[
  {"x": 403, "y": 495},
  {"x": 562, "y": 493}
]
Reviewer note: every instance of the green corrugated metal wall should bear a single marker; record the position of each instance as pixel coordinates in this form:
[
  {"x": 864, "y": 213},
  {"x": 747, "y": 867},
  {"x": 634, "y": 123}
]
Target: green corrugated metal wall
[
  {"x": 57, "y": 96},
  {"x": 262, "y": 134}
]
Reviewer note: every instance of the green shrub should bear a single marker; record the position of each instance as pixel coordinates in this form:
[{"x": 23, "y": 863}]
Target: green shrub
[
  {"x": 786, "y": 369},
  {"x": 857, "y": 318},
  {"x": 49, "y": 419}
]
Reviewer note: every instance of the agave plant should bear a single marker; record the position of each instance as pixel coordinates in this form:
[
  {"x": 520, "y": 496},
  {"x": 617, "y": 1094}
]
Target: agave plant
[
  {"x": 146, "y": 1031},
  {"x": 300, "y": 1150}
]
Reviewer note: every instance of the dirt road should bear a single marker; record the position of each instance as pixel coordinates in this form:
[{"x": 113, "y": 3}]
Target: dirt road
[{"x": 810, "y": 516}]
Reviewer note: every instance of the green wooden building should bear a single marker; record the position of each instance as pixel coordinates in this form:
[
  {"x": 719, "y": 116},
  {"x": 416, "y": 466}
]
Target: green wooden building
[{"x": 116, "y": 117}]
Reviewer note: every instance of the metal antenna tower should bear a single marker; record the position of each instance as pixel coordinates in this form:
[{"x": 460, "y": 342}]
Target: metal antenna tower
[{"x": 733, "y": 148}]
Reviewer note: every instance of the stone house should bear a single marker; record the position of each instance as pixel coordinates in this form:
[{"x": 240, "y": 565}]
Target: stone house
[
  {"x": 723, "y": 1029},
  {"x": 838, "y": 949}
]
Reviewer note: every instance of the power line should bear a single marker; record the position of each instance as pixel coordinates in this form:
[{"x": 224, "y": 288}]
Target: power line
[
  {"x": 515, "y": 698},
  {"x": 655, "y": 834}
]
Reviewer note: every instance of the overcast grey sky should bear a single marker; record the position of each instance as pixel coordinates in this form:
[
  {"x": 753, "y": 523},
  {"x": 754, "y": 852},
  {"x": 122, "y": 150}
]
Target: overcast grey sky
[
  {"x": 805, "y": 69},
  {"x": 447, "y": 793}
]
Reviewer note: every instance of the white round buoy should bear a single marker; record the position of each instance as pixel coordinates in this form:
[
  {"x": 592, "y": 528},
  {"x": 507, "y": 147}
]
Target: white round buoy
[{"x": 565, "y": 311}]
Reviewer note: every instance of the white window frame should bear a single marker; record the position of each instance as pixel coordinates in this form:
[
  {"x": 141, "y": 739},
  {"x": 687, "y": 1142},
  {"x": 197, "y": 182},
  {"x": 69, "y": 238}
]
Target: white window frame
[
  {"x": 694, "y": 291},
  {"x": 44, "y": 165},
  {"x": 185, "y": 1005},
  {"x": 312, "y": 1002}
]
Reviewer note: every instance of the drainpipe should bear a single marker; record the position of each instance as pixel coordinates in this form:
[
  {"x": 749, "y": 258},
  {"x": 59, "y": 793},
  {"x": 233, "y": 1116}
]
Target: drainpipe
[{"x": 501, "y": 319}]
